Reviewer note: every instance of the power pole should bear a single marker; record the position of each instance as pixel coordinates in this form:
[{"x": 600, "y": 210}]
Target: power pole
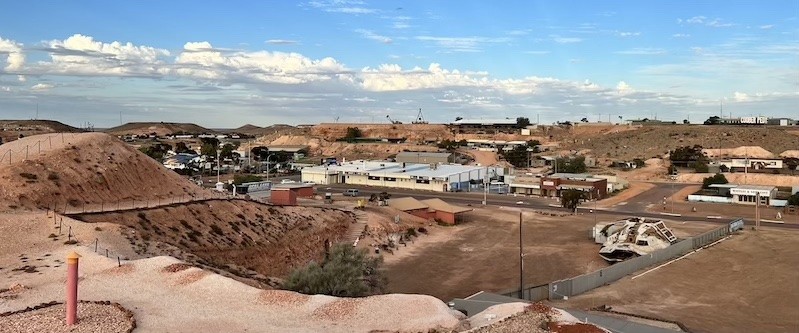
[
  {"x": 757, "y": 210},
  {"x": 521, "y": 259}
]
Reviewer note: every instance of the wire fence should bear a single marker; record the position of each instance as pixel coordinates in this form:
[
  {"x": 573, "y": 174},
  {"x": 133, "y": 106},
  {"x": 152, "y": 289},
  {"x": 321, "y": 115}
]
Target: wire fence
[
  {"x": 75, "y": 208},
  {"x": 65, "y": 228},
  {"x": 47, "y": 142}
]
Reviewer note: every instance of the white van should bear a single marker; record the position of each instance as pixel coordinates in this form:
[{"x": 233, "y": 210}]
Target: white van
[{"x": 351, "y": 193}]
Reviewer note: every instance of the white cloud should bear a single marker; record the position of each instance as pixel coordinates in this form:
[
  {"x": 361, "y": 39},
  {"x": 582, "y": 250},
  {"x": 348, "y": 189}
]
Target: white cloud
[
  {"x": 623, "y": 88},
  {"x": 642, "y": 51},
  {"x": 767, "y": 26},
  {"x": 342, "y": 6},
  {"x": 703, "y": 20},
  {"x": 628, "y": 34},
  {"x": 82, "y": 55},
  {"x": 15, "y": 59},
  {"x": 368, "y": 34},
  {"x": 281, "y": 41},
  {"x": 462, "y": 44},
  {"x": 519, "y": 32},
  {"x": 401, "y": 22},
  {"x": 680, "y": 35},
  {"x": 741, "y": 97},
  {"x": 536, "y": 52},
  {"x": 22, "y": 78},
  {"x": 6, "y": 89},
  {"x": 565, "y": 40},
  {"x": 201, "y": 61},
  {"x": 42, "y": 86}
]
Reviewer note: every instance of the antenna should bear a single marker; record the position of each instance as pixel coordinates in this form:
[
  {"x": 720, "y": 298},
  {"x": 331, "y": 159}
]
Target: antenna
[
  {"x": 120, "y": 118},
  {"x": 419, "y": 118},
  {"x": 37, "y": 112}
]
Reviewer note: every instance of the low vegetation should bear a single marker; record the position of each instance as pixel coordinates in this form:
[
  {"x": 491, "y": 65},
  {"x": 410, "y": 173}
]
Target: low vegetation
[
  {"x": 571, "y": 165},
  {"x": 715, "y": 179},
  {"x": 345, "y": 272}
]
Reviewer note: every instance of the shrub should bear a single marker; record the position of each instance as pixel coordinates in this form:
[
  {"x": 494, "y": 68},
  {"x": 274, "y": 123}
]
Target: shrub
[
  {"x": 53, "y": 176},
  {"x": 347, "y": 272},
  {"x": 410, "y": 232},
  {"x": 71, "y": 242},
  {"x": 217, "y": 230},
  {"x": 28, "y": 176},
  {"x": 794, "y": 199},
  {"x": 571, "y": 198}
]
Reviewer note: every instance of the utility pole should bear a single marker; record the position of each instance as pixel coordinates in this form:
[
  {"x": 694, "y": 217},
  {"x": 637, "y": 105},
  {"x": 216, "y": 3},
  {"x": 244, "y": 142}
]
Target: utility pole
[
  {"x": 521, "y": 259},
  {"x": 757, "y": 210},
  {"x": 485, "y": 187},
  {"x": 217, "y": 166}
]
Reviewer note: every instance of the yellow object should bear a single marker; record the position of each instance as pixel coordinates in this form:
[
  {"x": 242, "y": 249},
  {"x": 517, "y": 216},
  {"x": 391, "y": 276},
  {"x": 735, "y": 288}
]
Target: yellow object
[{"x": 73, "y": 257}]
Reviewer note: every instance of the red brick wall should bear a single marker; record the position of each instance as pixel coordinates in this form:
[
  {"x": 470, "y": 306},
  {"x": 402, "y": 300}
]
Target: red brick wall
[
  {"x": 284, "y": 198},
  {"x": 423, "y": 213},
  {"x": 448, "y": 218},
  {"x": 304, "y": 192}
]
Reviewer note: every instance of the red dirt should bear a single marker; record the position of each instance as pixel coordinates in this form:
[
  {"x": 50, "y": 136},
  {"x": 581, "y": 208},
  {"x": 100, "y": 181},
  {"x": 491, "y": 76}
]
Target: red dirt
[{"x": 573, "y": 328}]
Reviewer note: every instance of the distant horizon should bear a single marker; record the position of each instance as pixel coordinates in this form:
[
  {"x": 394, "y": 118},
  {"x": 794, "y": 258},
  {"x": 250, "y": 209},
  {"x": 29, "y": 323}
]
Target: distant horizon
[{"x": 360, "y": 61}]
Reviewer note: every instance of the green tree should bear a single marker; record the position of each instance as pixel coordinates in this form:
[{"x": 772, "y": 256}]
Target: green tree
[
  {"x": 227, "y": 151},
  {"x": 241, "y": 179},
  {"x": 353, "y": 132},
  {"x": 791, "y": 163},
  {"x": 639, "y": 163},
  {"x": 522, "y": 122},
  {"x": 571, "y": 165},
  {"x": 715, "y": 179},
  {"x": 209, "y": 146},
  {"x": 181, "y": 148},
  {"x": 686, "y": 122},
  {"x": 793, "y": 200},
  {"x": 347, "y": 272},
  {"x": 701, "y": 167},
  {"x": 571, "y": 198},
  {"x": 518, "y": 156}
]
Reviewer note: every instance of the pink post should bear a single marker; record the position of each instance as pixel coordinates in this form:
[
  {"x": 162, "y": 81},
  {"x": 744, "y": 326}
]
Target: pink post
[{"x": 72, "y": 288}]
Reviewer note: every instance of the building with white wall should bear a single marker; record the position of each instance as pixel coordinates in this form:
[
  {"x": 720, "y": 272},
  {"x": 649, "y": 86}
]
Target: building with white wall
[{"x": 430, "y": 177}]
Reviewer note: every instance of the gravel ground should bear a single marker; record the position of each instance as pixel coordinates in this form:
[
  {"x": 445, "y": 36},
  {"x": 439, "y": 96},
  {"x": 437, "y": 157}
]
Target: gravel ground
[
  {"x": 525, "y": 322},
  {"x": 92, "y": 317}
]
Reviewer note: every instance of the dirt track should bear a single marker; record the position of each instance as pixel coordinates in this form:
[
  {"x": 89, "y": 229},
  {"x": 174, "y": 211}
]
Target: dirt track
[
  {"x": 745, "y": 284},
  {"x": 483, "y": 254}
]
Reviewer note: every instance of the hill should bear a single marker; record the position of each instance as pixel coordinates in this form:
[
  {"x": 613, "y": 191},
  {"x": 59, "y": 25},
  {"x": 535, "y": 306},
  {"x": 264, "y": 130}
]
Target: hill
[
  {"x": 248, "y": 239},
  {"x": 160, "y": 129},
  {"x": 11, "y": 129},
  {"x": 651, "y": 141},
  {"x": 85, "y": 168}
]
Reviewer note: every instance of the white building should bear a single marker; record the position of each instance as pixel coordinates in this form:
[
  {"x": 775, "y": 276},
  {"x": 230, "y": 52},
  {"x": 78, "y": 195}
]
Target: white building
[
  {"x": 752, "y": 163},
  {"x": 431, "y": 177},
  {"x": 760, "y": 120},
  {"x": 747, "y": 194}
]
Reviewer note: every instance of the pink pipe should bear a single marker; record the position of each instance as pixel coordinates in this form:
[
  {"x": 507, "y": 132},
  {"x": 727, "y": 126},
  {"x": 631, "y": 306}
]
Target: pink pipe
[{"x": 72, "y": 288}]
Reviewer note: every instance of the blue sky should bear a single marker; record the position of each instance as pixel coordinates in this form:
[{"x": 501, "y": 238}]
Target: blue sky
[{"x": 230, "y": 63}]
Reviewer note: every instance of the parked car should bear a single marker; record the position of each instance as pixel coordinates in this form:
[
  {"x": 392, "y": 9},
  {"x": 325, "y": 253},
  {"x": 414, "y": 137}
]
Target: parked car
[
  {"x": 351, "y": 193},
  {"x": 287, "y": 181}
]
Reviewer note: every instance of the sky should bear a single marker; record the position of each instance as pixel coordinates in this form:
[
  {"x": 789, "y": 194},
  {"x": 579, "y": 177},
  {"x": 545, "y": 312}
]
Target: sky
[{"x": 226, "y": 64}]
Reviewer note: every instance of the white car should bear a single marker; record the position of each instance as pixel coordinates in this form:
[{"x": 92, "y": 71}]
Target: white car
[{"x": 287, "y": 181}]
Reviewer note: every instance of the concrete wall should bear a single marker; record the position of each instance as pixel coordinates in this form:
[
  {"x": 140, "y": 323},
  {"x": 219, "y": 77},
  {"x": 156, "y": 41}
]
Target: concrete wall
[{"x": 708, "y": 198}]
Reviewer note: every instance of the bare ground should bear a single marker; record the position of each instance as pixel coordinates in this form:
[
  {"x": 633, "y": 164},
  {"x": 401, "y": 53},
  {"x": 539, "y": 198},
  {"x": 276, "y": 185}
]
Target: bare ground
[
  {"x": 747, "y": 283},
  {"x": 483, "y": 253}
]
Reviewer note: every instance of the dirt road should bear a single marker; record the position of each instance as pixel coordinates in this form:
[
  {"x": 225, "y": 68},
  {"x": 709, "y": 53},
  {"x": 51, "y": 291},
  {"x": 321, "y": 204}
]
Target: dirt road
[{"x": 747, "y": 283}]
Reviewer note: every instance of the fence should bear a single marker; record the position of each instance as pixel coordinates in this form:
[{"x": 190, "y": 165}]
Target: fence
[
  {"x": 580, "y": 284},
  {"x": 67, "y": 208},
  {"x": 60, "y": 225},
  {"x": 47, "y": 142}
]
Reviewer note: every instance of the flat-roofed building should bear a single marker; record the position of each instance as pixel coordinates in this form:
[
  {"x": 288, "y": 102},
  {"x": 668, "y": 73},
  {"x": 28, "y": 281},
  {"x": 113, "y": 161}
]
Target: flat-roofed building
[
  {"x": 431, "y": 177},
  {"x": 748, "y": 194}
]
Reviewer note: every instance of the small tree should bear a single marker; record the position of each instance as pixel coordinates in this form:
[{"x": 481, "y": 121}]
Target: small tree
[
  {"x": 686, "y": 122},
  {"x": 571, "y": 165},
  {"x": 639, "y": 163},
  {"x": 347, "y": 272},
  {"x": 715, "y": 179},
  {"x": 701, "y": 167},
  {"x": 569, "y": 199},
  {"x": 522, "y": 122},
  {"x": 713, "y": 120},
  {"x": 584, "y": 120},
  {"x": 181, "y": 148},
  {"x": 353, "y": 132},
  {"x": 518, "y": 156}
]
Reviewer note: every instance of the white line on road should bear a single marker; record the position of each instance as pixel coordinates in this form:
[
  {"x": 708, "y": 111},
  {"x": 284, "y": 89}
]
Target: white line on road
[
  {"x": 671, "y": 214},
  {"x": 772, "y": 221},
  {"x": 714, "y": 216}
]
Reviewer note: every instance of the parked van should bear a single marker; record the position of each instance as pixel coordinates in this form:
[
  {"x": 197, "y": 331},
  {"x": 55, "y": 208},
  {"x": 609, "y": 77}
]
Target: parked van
[{"x": 351, "y": 193}]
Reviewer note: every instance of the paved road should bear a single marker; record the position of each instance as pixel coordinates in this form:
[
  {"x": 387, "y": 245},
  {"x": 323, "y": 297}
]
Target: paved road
[
  {"x": 534, "y": 203},
  {"x": 652, "y": 197}
]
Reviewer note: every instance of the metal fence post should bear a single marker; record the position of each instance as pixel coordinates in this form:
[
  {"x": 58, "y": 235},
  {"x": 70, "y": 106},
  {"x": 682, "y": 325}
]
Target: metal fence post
[{"x": 96, "y": 242}]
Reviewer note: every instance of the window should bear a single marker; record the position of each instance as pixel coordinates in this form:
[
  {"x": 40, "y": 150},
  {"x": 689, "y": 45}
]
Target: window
[{"x": 390, "y": 179}]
